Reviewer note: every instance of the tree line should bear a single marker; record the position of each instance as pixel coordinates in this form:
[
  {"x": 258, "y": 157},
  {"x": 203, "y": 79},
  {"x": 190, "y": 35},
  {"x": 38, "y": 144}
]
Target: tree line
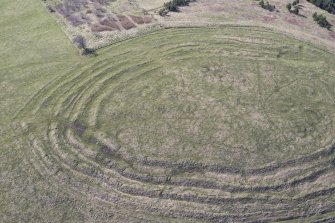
[{"x": 328, "y": 5}]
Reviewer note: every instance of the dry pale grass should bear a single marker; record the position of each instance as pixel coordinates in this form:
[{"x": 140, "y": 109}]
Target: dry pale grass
[
  {"x": 220, "y": 12},
  {"x": 87, "y": 20}
]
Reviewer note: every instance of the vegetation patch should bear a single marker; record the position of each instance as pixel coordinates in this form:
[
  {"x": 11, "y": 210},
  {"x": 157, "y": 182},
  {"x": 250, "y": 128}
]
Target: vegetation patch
[
  {"x": 328, "y": 5},
  {"x": 95, "y": 16},
  {"x": 266, "y": 5},
  {"x": 322, "y": 21},
  {"x": 173, "y": 6},
  {"x": 81, "y": 44},
  {"x": 294, "y": 7},
  {"x": 140, "y": 20}
]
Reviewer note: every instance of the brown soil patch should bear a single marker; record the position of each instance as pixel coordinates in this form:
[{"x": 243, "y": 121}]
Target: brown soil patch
[
  {"x": 110, "y": 22},
  {"x": 147, "y": 19},
  {"x": 125, "y": 22},
  {"x": 101, "y": 28},
  {"x": 140, "y": 19},
  {"x": 137, "y": 19}
]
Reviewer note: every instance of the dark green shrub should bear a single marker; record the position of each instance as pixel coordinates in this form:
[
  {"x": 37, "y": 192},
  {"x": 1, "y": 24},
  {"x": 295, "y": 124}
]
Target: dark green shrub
[
  {"x": 173, "y": 6},
  {"x": 266, "y": 5},
  {"x": 296, "y": 2},
  {"x": 88, "y": 51},
  {"x": 163, "y": 12},
  {"x": 321, "y": 20},
  {"x": 294, "y": 7},
  {"x": 295, "y": 10}
]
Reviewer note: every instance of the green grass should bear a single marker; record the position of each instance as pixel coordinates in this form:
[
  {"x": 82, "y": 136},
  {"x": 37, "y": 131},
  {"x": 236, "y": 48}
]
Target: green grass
[
  {"x": 240, "y": 97},
  {"x": 208, "y": 97},
  {"x": 33, "y": 51}
]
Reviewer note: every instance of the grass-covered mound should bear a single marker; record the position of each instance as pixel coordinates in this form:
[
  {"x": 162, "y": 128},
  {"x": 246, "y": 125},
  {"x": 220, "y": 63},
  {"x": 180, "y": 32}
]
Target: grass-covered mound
[{"x": 191, "y": 119}]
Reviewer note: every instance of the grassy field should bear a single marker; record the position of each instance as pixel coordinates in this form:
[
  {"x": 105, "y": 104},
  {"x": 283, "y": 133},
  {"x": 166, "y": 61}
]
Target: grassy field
[{"x": 229, "y": 124}]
